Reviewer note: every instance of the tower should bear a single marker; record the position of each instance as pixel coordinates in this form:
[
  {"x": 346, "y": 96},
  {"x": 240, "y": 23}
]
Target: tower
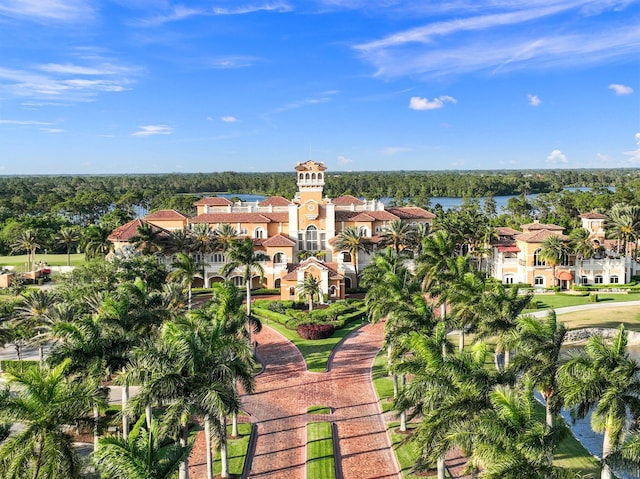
[{"x": 310, "y": 181}]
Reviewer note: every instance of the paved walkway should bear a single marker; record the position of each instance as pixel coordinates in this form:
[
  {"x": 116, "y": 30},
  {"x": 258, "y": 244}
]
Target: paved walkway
[{"x": 284, "y": 392}]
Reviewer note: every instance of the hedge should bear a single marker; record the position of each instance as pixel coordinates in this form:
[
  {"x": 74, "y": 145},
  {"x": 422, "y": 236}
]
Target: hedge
[{"x": 315, "y": 331}]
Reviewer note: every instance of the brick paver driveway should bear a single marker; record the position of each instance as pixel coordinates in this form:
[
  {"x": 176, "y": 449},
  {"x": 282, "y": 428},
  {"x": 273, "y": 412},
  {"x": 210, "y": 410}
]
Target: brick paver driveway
[{"x": 285, "y": 390}]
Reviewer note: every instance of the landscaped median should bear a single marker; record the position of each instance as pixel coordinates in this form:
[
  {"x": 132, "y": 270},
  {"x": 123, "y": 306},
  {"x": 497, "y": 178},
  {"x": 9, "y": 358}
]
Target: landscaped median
[
  {"x": 284, "y": 318},
  {"x": 320, "y": 450}
]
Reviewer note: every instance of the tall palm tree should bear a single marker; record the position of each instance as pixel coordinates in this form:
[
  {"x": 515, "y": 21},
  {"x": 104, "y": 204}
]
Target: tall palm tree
[
  {"x": 500, "y": 308},
  {"x": 241, "y": 256},
  {"x": 309, "y": 289},
  {"x": 624, "y": 223},
  {"x": 437, "y": 251},
  {"x": 46, "y": 401},
  {"x": 178, "y": 241},
  {"x": 397, "y": 234},
  {"x": 605, "y": 380},
  {"x": 627, "y": 457},
  {"x": 33, "y": 309},
  {"x": 141, "y": 456},
  {"x": 184, "y": 269},
  {"x": 95, "y": 241},
  {"x": 225, "y": 234},
  {"x": 419, "y": 233},
  {"x": 352, "y": 240},
  {"x": 203, "y": 239},
  {"x": 68, "y": 237},
  {"x": 29, "y": 241},
  {"x": 538, "y": 344},
  {"x": 554, "y": 250}
]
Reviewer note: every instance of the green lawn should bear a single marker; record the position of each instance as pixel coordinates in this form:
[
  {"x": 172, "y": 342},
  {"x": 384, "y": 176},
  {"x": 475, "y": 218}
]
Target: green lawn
[
  {"x": 237, "y": 451},
  {"x": 315, "y": 352},
  {"x": 20, "y": 261},
  {"x": 546, "y": 301},
  {"x": 319, "y": 410},
  {"x": 320, "y": 460}
]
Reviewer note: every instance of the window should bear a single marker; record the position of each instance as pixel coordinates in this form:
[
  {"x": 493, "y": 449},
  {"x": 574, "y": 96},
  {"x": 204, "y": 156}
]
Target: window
[
  {"x": 584, "y": 280},
  {"x": 323, "y": 241},
  {"x": 538, "y": 281},
  {"x": 598, "y": 279},
  {"x": 243, "y": 232},
  {"x": 379, "y": 229},
  {"x": 258, "y": 233},
  {"x": 333, "y": 291},
  {"x": 346, "y": 257},
  {"x": 279, "y": 258},
  {"x": 218, "y": 258},
  {"x": 508, "y": 279},
  {"x": 613, "y": 280},
  {"x": 238, "y": 281},
  {"x": 364, "y": 231},
  {"x": 312, "y": 238},
  {"x": 347, "y": 282},
  {"x": 319, "y": 176},
  {"x": 536, "y": 258},
  {"x": 300, "y": 241},
  {"x": 276, "y": 283}
]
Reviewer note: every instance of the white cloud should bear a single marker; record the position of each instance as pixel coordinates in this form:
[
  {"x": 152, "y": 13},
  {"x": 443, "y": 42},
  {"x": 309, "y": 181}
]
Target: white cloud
[
  {"x": 230, "y": 62},
  {"x": 229, "y": 119},
  {"x": 556, "y": 156},
  {"x": 343, "y": 160},
  {"x": 635, "y": 154},
  {"x": 417, "y": 103},
  {"x": 301, "y": 103},
  {"x": 24, "y": 122},
  {"x": 52, "y": 130},
  {"x": 48, "y": 10},
  {"x": 534, "y": 100},
  {"x": 278, "y": 7},
  {"x": 148, "y": 130},
  {"x": 394, "y": 150},
  {"x": 620, "y": 90}
]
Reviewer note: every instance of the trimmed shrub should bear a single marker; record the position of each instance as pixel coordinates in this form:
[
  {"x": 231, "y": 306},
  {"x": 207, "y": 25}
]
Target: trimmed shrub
[
  {"x": 315, "y": 331},
  {"x": 265, "y": 292},
  {"x": 593, "y": 298}
]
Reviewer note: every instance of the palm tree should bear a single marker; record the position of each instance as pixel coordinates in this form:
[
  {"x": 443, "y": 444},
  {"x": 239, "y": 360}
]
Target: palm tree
[
  {"x": 418, "y": 234},
  {"x": 627, "y": 457},
  {"x": 96, "y": 242},
  {"x": 203, "y": 239},
  {"x": 397, "y": 234},
  {"x": 437, "y": 250},
  {"x": 309, "y": 289},
  {"x": 240, "y": 255},
  {"x": 33, "y": 309},
  {"x": 606, "y": 380},
  {"x": 178, "y": 241},
  {"x": 624, "y": 221},
  {"x": 46, "y": 401},
  {"x": 539, "y": 346},
  {"x": 141, "y": 456},
  {"x": 225, "y": 234},
  {"x": 184, "y": 270},
  {"x": 500, "y": 309},
  {"x": 553, "y": 252},
  {"x": 351, "y": 239},
  {"x": 29, "y": 242},
  {"x": 148, "y": 240},
  {"x": 68, "y": 237}
]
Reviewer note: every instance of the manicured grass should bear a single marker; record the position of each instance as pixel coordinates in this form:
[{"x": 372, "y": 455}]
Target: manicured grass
[
  {"x": 20, "y": 261},
  {"x": 237, "y": 451},
  {"x": 406, "y": 452},
  {"x": 382, "y": 381},
  {"x": 603, "y": 318},
  {"x": 320, "y": 460},
  {"x": 546, "y": 301},
  {"x": 319, "y": 410},
  {"x": 315, "y": 352}
]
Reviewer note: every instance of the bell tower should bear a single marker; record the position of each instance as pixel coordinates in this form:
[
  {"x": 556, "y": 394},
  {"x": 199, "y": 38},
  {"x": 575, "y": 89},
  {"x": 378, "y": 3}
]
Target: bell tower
[{"x": 310, "y": 181}]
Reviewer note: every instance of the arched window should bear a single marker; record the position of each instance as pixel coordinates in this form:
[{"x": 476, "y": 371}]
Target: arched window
[
  {"x": 238, "y": 281},
  {"x": 218, "y": 258},
  {"x": 333, "y": 291},
  {"x": 613, "y": 279},
  {"x": 364, "y": 231},
  {"x": 307, "y": 176},
  {"x": 300, "y": 176},
  {"x": 584, "y": 280},
  {"x": 319, "y": 176},
  {"x": 508, "y": 279},
  {"x": 536, "y": 258},
  {"x": 258, "y": 232},
  {"x": 276, "y": 283},
  {"x": 292, "y": 292},
  {"x": 598, "y": 279},
  {"x": 312, "y": 238},
  {"x": 538, "y": 281},
  {"x": 279, "y": 258},
  {"x": 564, "y": 261},
  {"x": 313, "y": 176},
  {"x": 347, "y": 282}
]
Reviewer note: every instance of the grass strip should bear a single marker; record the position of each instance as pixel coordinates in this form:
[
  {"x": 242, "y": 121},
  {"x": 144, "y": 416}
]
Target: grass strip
[
  {"x": 555, "y": 301},
  {"x": 320, "y": 460},
  {"x": 319, "y": 410},
  {"x": 20, "y": 261},
  {"x": 237, "y": 451}
]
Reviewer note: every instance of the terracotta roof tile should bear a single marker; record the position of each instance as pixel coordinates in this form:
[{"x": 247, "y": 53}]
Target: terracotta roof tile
[
  {"x": 346, "y": 200},
  {"x": 411, "y": 212},
  {"x": 593, "y": 216},
  {"x": 279, "y": 240},
  {"x": 345, "y": 215},
  {"x": 130, "y": 230},
  {"x": 165, "y": 215},
  {"x": 539, "y": 236},
  {"x": 541, "y": 226},
  {"x": 213, "y": 201},
  {"x": 275, "y": 201},
  {"x": 504, "y": 231},
  {"x": 276, "y": 217},
  {"x": 331, "y": 267},
  {"x": 222, "y": 218}
]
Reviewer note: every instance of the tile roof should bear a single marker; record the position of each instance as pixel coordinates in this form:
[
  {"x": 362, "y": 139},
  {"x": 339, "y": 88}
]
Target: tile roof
[
  {"x": 279, "y": 240},
  {"x": 377, "y": 215},
  {"x": 275, "y": 201},
  {"x": 165, "y": 215},
  {"x": 535, "y": 226},
  {"x": 130, "y": 230},
  {"x": 345, "y": 215},
  {"x": 346, "y": 200},
  {"x": 538, "y": 236},
  {"x": 593, "y": 216},
  {"x": 331, "y": 267},
  {"x": 222, "y": 218},
  {"x": 276, "y": 217},
  {"x": 505, "y": 231},
  {"x": 213, "y": 201},
  {"x": 411, "y": 212}
]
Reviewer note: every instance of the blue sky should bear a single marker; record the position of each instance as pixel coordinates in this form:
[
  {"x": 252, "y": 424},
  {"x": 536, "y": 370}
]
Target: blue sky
[{"x": 154, "y": 86}]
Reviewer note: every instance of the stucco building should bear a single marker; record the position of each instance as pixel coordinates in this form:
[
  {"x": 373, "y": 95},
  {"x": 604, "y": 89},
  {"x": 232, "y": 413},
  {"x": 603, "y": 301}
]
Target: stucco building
[{"x": 296, "y": 234}]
